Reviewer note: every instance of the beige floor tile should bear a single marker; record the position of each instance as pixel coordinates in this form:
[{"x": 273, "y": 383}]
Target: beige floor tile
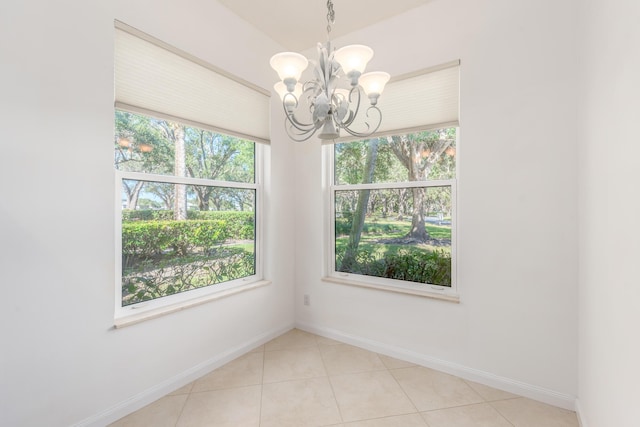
[
  {"x": 243, "y": 371},
  {"x": 163, "y": 412},
  {"x": 429, "y": 389},
  {"x": 295, "y": 338},
  {"x": 347, "y": 359},
  {"x": 489, "y": 393},
  {"x": 524, "y": 412},
  {"x": 222, "y": 408},
  {"x": 480, "y": 415},
  {"x": 285, "y": 365},
  {"x": 182, "y": 390},
  {"x": 410, "y": 420},
  {"x": 369, "y": 395},
  {"x": 299, "y": 403},
  {"x": 392, "y": 363}
]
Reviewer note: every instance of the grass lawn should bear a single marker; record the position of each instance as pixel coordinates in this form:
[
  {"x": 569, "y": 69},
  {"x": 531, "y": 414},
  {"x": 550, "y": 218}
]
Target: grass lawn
[{"x": 387, "y": 229}]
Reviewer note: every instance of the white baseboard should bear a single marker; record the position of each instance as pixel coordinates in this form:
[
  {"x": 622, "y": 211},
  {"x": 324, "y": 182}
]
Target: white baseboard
[
  {"x": 154, "y": 393},
  {"x": 579, "y": 414},
  {"x": 540, "y": 394}
]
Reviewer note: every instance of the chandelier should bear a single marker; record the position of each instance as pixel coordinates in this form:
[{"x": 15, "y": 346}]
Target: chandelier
[{"x": 331, "y": 101}]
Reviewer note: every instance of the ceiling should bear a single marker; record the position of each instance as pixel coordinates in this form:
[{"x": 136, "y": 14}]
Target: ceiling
[{"x": 300, "y": 24}]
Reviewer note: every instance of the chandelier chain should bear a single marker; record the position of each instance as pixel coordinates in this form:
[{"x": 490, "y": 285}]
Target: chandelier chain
[{"x": 331, "y": 16}]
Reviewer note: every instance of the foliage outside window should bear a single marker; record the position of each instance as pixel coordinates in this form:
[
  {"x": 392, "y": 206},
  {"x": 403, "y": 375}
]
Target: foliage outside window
[
  {"x": 188, "y": 201},
  {"x": 393, "y": 210}
]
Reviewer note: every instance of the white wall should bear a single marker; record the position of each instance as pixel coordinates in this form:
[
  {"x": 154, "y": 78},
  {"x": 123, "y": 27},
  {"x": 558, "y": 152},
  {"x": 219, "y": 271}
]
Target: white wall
[
  {"x": 517, "y": 202},
  {"x": 61, "y": 361},
  {"x": 609, "y": 211}
]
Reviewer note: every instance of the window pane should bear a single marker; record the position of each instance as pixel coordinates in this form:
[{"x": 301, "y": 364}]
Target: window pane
[
  {"x": 146, "y": 144},
  {"x": 141, "y": 144},
  {"x": 419, "y": 156},
  {"x": 402, "y": 233},
  {"x": 177, "y": 237},
  {"x": 211, "y": 155}
]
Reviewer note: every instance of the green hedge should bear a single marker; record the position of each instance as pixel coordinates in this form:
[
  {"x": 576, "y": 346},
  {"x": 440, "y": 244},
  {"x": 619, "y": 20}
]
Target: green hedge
[
  {"x": 165, "y": 215},
  {"x": 238, "y": 225},
  {"x": 149, "y": 238},
  {"x": 146, "y": 215}
]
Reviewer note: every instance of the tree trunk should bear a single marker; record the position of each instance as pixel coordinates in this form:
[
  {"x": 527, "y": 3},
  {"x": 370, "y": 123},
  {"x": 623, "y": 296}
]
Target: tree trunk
[
  {"x": 418, "y": 157},
  {"x": 133, "y": 193},
  {"x": 204, "y": 194},
  {"x": 180, "y": 199},
  {"x": 357, "y": 225},
  {"x": 418, "y": 229}
]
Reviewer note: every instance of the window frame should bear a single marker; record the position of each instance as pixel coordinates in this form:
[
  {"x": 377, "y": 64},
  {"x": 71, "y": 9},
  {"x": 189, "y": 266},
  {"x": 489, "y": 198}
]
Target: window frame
[
  {"x": 381, "y": 283},
  {"x": 134, "y": 313}
]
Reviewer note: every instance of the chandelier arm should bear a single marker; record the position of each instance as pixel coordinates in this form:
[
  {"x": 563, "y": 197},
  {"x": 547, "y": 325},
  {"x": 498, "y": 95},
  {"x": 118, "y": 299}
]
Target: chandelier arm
[
  {"x": 351, "y": 117},
  {"x": 302, "y": 127},
  {"x": 369, "y": 132},
  {"x": 290, "y": 116},
  {"x": 298, "y": 137}
]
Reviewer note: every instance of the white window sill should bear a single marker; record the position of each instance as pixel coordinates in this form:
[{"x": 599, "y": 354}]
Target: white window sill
[
  {"x": 440, "y": 295},
  {"x": 128, "y": 320}
]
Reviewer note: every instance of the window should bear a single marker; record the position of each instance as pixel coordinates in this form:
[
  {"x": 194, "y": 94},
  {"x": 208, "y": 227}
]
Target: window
[
  {"x": 188, "y": 202},
  {"x": 393, "y": 213},
  {"x": 188, "y": 178}
]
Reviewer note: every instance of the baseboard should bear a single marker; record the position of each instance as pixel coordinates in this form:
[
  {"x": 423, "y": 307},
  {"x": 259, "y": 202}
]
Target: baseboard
[
  {"x": 154, "y": 393},
  {"x": 579, "y": 414},
  {"x": 540, "y": 394}
]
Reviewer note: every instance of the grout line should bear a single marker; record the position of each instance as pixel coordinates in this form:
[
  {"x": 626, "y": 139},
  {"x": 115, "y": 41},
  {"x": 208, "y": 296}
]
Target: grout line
[
  {"x": 500, "y": 413},
  {"x": 403, "y": 391},
  {"x": 467, "y": 405},
  {"x": 333, "y": 392},
  {"x": 264, "y": 354},
  {"x": 183, "y": 406},
  {"x": 456, "y": 406},
  {"x": 515, "y": 396}
]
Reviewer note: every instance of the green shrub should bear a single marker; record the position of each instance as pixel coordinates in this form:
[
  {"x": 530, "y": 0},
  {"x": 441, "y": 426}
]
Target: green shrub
[
  {"x": 146, "y": 215},
  {"x": 148, "y": 238},
  {"x": 239, "y": 225},
  {"x": 409, "y": 265}
]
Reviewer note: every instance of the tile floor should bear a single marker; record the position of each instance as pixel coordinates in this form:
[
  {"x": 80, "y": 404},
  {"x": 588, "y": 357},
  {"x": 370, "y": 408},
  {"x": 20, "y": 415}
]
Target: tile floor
[{"x": 300, "y": 379}]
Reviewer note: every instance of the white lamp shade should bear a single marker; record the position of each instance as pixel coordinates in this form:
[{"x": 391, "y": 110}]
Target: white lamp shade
[
  {"x": 353, "y": 57},
  {"x": 289, "y": 65},
  {"x": 281, "y": 89},
  {"x": 373, "y": 83}
]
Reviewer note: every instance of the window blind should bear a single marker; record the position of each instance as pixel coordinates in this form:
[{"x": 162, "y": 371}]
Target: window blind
[
  {"x": 157, "y": 79},
  {"x": 426, "y": 99}
]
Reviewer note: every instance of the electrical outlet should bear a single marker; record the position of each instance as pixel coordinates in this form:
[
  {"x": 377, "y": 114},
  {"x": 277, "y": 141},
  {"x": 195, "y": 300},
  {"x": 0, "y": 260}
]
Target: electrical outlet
[{"x": 307, "y": 299}]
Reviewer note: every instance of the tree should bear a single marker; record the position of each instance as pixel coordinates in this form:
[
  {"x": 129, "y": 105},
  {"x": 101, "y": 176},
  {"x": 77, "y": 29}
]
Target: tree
[
  {"x": 213, "y": 156},
  {"x": 419, "y": 153},
  {"x": 139, "y": 146},
  {"x": 164, "y": 191},
  {"x": 132, "y": 189},
  {"x": 357, "y": 224},
  {"x": 175, "y": 132}
]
